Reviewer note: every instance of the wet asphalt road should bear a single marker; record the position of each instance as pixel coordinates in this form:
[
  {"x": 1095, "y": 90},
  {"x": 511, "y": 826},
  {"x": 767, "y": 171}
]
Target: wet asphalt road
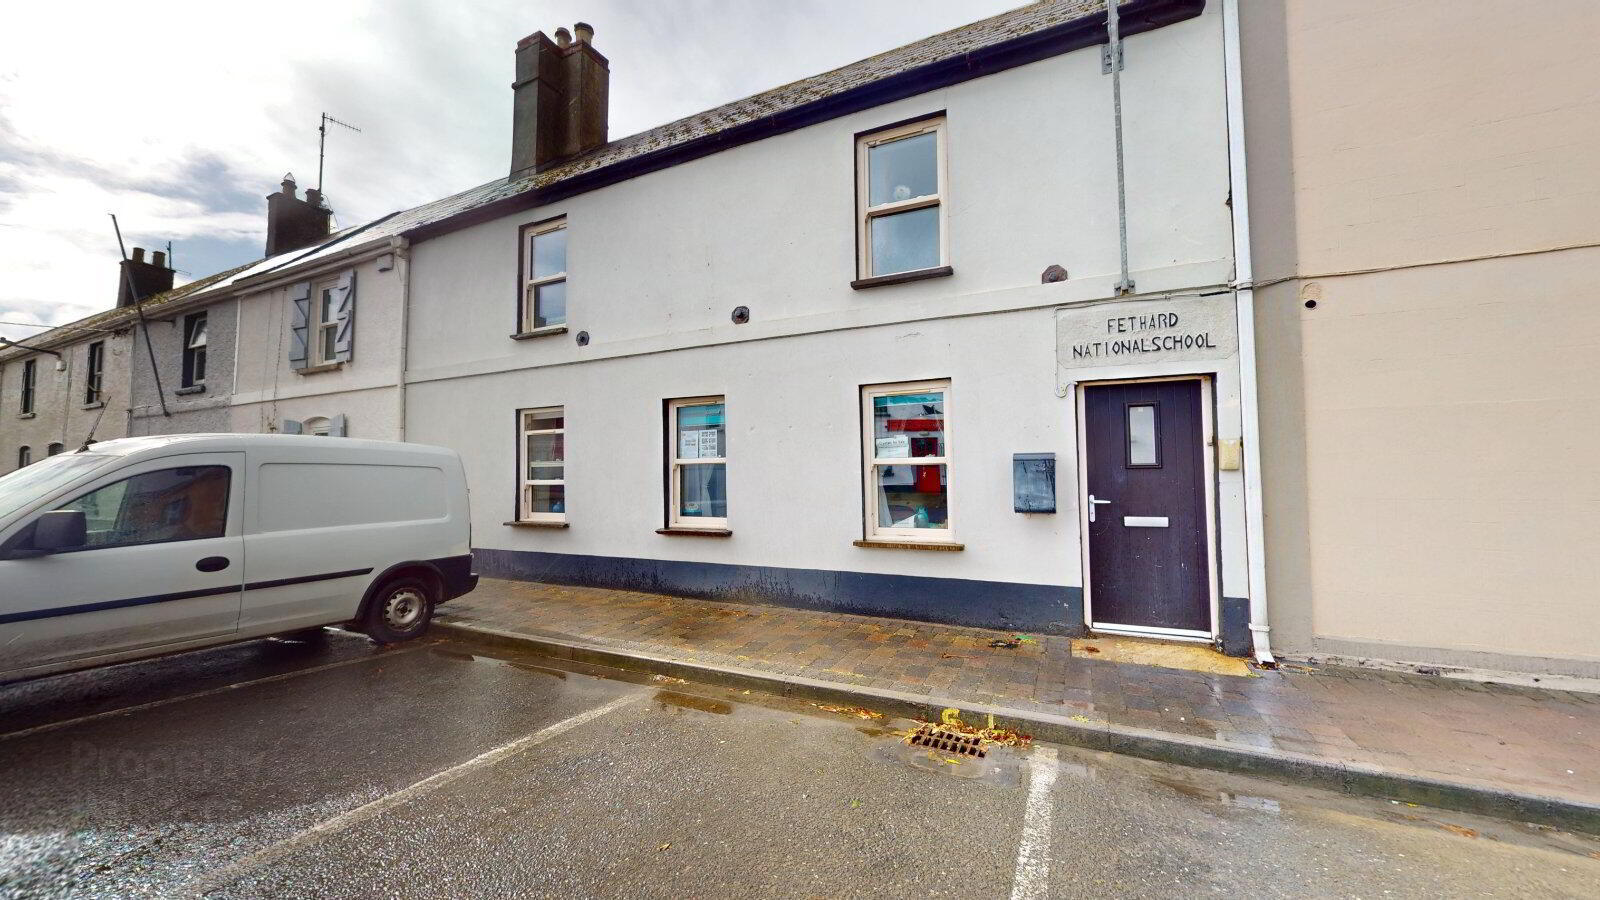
[{"x": 341, "y": 770}]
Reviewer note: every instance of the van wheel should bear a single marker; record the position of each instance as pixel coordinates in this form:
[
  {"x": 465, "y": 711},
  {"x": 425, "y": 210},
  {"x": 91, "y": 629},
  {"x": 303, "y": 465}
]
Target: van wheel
[{"x": 400, "y": 611}]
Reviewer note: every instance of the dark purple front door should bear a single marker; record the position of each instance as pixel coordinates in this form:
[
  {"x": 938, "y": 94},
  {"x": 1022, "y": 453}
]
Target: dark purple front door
[{"x": 1145, "y": 457}]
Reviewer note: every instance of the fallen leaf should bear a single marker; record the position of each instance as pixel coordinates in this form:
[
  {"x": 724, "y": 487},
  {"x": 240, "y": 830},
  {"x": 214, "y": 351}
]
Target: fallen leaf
[
  {"x": 1458, "y": 829},
  {"x": 1091, "y": 649},
  {"x": 855, "y": 804},
  {"x": 859, "y": 712},
  {"x": 662, "y": 847}
]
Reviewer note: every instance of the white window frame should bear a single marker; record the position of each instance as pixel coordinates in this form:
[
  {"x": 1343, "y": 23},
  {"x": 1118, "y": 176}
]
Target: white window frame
[
  {"x": 870, "y": 462},
  {"x": 195, "y": 325},
  {"x": 865, "y": 214},
  {"x": 531, "y": 285},
  {"x": 317, "y": 328},
  {"x": 525, "y": 484},
  {"x": 94, "y": 367},
  {"x": 30, "y": 387},
  {"x": 675, "y": 464}
]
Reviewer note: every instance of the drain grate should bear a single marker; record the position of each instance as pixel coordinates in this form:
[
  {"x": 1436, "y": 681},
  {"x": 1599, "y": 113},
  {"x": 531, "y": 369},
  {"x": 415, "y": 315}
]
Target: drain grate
[{"x": 936, "y": 738}]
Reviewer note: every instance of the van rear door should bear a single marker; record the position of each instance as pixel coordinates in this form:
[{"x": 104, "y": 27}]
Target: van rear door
[{"x": 163, "y": 564}]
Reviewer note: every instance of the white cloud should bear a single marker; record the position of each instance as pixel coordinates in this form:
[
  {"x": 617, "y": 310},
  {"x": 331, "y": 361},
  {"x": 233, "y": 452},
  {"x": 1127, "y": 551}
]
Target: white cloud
[{"x": 181, "y": 116}]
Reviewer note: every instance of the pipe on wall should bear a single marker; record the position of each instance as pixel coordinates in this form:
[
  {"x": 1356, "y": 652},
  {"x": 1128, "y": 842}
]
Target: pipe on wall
[{"x": 1244, "y": 305}]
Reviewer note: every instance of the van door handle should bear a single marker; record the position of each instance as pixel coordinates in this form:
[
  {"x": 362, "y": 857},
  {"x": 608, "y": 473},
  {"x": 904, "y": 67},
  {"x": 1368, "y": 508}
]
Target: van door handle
[{"x": 213, "y": 564}]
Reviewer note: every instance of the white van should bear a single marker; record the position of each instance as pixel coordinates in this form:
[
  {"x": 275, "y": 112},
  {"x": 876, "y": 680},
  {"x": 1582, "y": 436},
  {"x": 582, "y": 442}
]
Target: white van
[{"x": 143, "y": 546}]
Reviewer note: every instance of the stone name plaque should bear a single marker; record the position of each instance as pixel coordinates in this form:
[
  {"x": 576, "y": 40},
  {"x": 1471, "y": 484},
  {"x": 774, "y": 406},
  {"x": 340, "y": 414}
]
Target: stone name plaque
[{"x": 1146, "y": 331}]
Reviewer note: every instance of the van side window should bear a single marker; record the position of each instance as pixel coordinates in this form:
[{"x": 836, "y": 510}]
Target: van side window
[{"x": 183, "y": 504}]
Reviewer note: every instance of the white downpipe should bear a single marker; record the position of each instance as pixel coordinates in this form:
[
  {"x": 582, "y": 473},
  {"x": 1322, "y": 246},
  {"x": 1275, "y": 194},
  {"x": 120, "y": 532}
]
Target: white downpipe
[
  {"x": 1244, "y": 297},
  {"x": 1114, "y": 35},
  {"x": 402, "y": 253}
]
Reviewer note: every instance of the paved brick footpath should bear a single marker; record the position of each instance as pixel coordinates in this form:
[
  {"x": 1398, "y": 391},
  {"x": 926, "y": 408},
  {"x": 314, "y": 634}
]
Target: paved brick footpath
[{"x": 1498, "y": 736}]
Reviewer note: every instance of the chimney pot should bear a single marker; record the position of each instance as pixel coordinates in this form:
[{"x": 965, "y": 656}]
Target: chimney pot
[
  {"x": 138, "y": 279},
  {"x": 293, "y": 223},
  {"x": 559, "y": 105}
]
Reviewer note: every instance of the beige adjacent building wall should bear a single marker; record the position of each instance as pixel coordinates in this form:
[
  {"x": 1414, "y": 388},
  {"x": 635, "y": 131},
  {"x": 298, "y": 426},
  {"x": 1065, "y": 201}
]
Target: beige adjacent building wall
[{"x": 1428, "y": 174}]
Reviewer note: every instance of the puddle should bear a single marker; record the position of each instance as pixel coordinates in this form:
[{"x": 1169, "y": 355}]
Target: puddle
[
  {"x": 689, "y": 701},
  {"x": 1245, "y": 801},
  {"x": 553, "y": 673},
  {"x": 452, "y": 654}
]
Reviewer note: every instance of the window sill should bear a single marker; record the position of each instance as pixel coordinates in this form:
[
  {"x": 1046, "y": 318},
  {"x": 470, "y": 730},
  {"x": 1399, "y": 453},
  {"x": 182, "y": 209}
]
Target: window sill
[
  {"x": 911, "y": 545},
  {"x": 97, "y": 404},
  {"x": 26, "y": 415},
  {"x": 323, "y": 367},
  {"x": 695, "y": 532},
  {"x": 191, "y": 389},
  {"x": 902, "y": 277},
  {"x": 539, "y": 332},
  {"x": 520, "y": 524}
]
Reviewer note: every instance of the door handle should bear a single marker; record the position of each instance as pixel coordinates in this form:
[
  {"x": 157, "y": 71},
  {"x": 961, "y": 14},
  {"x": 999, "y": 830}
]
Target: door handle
[
  {"x": 1092, "y": 504},
  {"x": 213, "y": 564}
]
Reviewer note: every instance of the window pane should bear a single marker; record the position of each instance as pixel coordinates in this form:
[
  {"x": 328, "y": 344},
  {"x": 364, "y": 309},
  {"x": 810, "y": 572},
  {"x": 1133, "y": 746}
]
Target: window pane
[
  {"x": 906, "y": 241},
  {"x": 903, "y": 169},
  {"x": 1142, "y": 449},
  {"x": 549, "y": 253},
  {"x": 538, "y": 472},
  {"x": 326, "y": 312},
  {"x": 550, "y": 304},
  {"x": 183, "y": 504},
  {"x": 703, "y": 491},
  {"x": 912, "y": 496},
  {"x": 547, "y": 498},
  {"x": 702, "y": 432},
  {"x": 330, "y": 337},
  {"x": 197, "y": 332},
  {"x": 544, "y": 421},
  {"x": 546, "y": 447},
  {"x": 908, "y": 425}
]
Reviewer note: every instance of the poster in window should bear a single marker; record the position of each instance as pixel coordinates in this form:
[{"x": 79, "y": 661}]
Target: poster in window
[
  {"x": 709, "y": 443},
  {"x": 895, "y": 446},
  {"x": 688, "y": 444}
]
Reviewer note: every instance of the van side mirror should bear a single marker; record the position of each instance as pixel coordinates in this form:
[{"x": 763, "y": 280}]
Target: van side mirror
[{"x": 60, "y": 529}]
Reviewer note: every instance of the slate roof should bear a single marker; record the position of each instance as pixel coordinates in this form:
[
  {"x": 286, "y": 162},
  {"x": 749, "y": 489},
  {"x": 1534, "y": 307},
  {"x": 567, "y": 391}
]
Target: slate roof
[{"x": 940, "y": 48}]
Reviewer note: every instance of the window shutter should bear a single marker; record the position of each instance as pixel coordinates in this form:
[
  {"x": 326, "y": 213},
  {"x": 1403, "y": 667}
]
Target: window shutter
[
  {"x": 337, "y": 426},
  {"x": 344, "y": 339},
  {"x": 290, "y": 426},
  {"x": 300, "y": 294}
]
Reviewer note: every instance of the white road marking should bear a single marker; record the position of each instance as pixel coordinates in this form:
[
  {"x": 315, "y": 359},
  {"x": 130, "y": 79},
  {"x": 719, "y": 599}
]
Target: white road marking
[
  {"x": 138, "y": 707},
  {"x": 427, "y": 785},
  {"x": 1032, "y": 878}
]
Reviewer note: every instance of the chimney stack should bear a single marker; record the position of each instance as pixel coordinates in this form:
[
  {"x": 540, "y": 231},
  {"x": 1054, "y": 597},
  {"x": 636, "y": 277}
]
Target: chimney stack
[
  {"x": 560, "y": 98},
  {"x": 293, "y": 223},
  {"x": 139, "y": 279}
]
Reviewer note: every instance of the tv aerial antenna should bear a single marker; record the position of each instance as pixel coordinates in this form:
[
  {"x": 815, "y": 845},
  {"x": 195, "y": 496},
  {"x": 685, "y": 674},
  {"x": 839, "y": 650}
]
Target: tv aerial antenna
[{"x": 322, "y": 142}]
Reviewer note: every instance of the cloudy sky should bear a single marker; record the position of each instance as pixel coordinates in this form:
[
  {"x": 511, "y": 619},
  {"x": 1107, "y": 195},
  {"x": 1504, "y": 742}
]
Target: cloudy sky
[{"x": 181, "y": 116}]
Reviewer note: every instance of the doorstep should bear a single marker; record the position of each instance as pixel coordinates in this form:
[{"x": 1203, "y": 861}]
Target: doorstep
[{"x": 1512, "y": 752}]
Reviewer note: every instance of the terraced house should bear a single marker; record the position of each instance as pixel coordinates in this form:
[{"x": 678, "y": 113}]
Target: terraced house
[
  {"x": 866, "y": 342},
  {"x": 1160, "y": 323}
]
